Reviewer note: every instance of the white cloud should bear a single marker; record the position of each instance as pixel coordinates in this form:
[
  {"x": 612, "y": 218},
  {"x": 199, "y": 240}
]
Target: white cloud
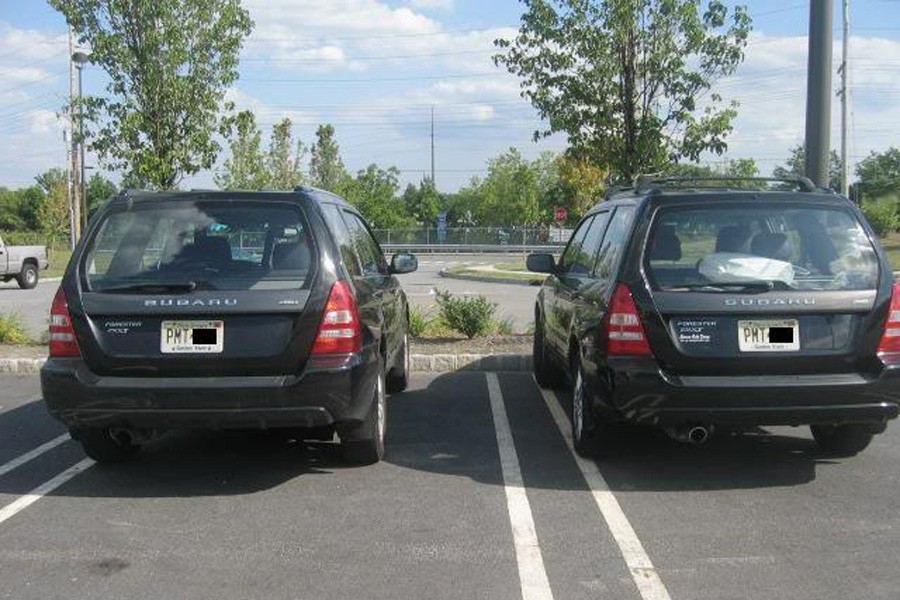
[
  {"x": 771, "y": 89},
  {"x": 432, "y": 4}
]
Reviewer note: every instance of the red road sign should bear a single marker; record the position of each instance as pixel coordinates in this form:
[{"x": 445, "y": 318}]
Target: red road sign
[{"x": 560, "y": 214}]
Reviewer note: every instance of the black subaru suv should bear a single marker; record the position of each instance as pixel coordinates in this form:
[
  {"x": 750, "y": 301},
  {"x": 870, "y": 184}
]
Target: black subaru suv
[
  {"x": 227, "y": 310},
  {"x": 691, "y": 304}
]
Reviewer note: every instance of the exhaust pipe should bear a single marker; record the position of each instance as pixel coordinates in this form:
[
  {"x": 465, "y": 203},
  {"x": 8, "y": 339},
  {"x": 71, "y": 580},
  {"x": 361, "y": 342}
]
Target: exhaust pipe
[
  {"x": 693, "y": 434},
  {"x": 698, "y": 435}
]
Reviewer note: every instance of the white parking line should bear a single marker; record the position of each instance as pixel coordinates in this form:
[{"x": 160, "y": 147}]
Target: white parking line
[
  {"x": 532, "y": 574},
  {"x": 32, "y": 454},
  {"x": 642, "y": 570},
  {"x": 42, "y": 490}
]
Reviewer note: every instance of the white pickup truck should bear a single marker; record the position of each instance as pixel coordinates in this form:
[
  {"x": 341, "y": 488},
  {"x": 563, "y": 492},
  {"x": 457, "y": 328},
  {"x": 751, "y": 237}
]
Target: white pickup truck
[{"x": 22, "y": 263}]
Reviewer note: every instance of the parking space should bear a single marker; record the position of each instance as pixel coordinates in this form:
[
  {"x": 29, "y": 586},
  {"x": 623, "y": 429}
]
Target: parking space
[{"x": 480, "y": 496}]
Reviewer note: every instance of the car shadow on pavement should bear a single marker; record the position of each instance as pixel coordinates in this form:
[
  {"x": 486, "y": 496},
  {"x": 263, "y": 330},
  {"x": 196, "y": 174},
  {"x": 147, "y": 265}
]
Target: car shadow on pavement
[{"x": 448, "y": 429}]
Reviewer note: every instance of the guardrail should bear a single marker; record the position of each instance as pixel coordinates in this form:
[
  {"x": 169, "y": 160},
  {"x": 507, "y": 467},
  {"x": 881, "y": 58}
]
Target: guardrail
[{"x": 471, "y": 248}]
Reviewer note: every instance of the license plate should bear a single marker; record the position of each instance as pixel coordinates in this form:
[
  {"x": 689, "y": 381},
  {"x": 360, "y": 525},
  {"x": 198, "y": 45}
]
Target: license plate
[
  {"x": 769, "y": 336},
  {"x": 192, "y": 337}
]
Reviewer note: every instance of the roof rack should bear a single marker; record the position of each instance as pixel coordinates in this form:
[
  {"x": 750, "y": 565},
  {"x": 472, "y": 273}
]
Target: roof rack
[{"x": 646, "y": 183}]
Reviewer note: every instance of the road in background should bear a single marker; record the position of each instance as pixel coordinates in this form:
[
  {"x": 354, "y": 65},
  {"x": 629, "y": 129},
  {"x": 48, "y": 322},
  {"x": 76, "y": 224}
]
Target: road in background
[
  {"x": 242, "y": 515},
  {"x": 514, "y": 302}
]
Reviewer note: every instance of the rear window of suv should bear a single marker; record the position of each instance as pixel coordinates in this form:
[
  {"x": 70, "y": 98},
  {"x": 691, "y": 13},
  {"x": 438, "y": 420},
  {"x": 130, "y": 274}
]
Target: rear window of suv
[
  {"x": 784, "y": 247},
  {"x": 215, "y": 245}
]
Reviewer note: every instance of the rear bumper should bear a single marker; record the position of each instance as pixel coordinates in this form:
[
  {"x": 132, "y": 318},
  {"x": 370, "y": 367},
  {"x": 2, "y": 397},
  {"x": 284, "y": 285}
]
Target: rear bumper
[
  {"x": 641, "y": 392},
  {"x": 320, "y": 396}
]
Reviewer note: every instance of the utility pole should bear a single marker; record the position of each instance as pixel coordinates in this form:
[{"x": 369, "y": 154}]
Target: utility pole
[
  {"x": 80, "y": 58},
  {"x": 818, "y": 91},
  {"x": 845, "y": 104},
  {"x": 433, "y": 184},
  {"x": 74, "y": 170}
]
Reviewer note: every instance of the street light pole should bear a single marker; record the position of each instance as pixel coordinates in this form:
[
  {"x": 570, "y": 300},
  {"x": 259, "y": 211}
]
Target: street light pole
[
  {"x": 818, "y": 92},
  {"x": 79, "y": 59}
]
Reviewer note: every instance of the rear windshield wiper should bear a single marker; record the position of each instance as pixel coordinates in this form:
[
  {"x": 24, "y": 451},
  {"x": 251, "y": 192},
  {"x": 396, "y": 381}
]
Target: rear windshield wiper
[
  {"x": 724, "y": 288},
  {"x": 181, "y": 287}
]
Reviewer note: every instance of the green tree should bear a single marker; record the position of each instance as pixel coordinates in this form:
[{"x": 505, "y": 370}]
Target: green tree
[
  {"x": 11, "y": 205},
  {"x": 879, "y": 174},
  {"x": 795, "y": 166},
  {"x": 99, "y": 190},
  {"x": 53, "y": 211},
  {"x": 511, "y": 191},
  {"x": 169, "y": 63},
  {"x": 629, "y": 81},
  {"x": 245, "y": 169},
  {"x": 374, "y": 192},
  {"x": 422, "y": 202},
  {"x": 283, "y": 166},
  {"x": 326, "y": 169}
]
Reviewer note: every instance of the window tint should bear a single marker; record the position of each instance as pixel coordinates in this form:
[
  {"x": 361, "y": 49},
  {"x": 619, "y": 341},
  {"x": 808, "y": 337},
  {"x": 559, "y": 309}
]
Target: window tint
[
  {"x": 216, "y": 245},
  {"x": 614, "y": 243},
  {"x": 573, "y": 250},
  {"x": 342, "y": 236},
  {"x": 367, "y": 248},
  {"x": 796, "y": 247},
  {"x": 584, "y": 262}
]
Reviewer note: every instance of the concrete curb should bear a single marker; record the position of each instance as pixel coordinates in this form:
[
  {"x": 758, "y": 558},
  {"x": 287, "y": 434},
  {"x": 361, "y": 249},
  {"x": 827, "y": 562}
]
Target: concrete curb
[
  {"x": 448, "y": 275},
  {"x": 21, "y": 366},
  {"x": 423, "y": 363}
]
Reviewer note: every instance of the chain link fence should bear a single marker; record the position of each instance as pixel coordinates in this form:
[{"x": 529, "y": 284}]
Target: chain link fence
[{"x": 463, "y": 236}]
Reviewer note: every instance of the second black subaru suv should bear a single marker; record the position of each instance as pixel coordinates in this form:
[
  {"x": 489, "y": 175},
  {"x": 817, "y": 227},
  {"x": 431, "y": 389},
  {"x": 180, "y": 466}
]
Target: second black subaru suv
[
  {"x": 688, "y": 304},
  {"x": 227, "y": 309}
]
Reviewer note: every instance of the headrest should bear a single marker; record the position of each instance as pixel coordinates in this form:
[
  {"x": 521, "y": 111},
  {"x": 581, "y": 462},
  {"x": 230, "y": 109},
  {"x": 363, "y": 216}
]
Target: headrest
[
  {"x": 733, "y": 238},
  {"x": 771, "y": 245},
  {"x": 290, "y": 257},
  {"x": 666, "y": 245}
]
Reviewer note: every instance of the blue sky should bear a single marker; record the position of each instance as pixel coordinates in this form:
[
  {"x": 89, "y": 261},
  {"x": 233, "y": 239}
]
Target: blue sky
[{"x": 374, "y": 68}]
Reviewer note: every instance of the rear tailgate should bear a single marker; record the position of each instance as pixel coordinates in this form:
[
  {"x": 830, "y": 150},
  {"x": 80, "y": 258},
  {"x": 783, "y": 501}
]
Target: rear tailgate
[
  {"x": 261, "y": 333},
  {"x": 722, "y": 334}
]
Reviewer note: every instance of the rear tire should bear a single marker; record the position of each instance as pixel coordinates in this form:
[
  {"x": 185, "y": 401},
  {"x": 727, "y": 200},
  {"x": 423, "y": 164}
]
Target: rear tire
[
  {"x": 842, "y": 440},
  {"x": 586, "y": 429},
  {"x": 398, "y": 379},
  {"x": 547, "y": 374},
  {"x": 100, "y": 444},
  {"x": 364, "y": 443},
  {"x": 28, "y": 278}
]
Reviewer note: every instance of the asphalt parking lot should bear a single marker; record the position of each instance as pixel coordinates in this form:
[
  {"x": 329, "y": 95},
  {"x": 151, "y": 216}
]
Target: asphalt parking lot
[{"x": 480, "y": 496}]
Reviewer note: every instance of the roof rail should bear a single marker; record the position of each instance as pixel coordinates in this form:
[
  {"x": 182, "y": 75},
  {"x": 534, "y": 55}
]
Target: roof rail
[{"x": 646, "y": 183}]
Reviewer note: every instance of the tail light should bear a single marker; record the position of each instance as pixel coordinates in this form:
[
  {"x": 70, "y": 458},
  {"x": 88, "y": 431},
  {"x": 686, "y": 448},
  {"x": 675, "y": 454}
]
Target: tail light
[
  {"x": 62, "y": 334},
  {"x": 890, "y": 339},
  {"x": 340, "y": 331},
  {"x": 626, "y": 333}
]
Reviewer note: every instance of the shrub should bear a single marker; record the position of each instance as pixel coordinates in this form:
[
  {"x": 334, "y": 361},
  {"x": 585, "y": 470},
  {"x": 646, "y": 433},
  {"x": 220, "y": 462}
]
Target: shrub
[
  {"x": 473, "y": 316},
  {"x": 12, "y": 331},
  {"x": 503, "y": 327},
  {"x": 882, "y": 216},
  {"x": 418, "y": 321}
]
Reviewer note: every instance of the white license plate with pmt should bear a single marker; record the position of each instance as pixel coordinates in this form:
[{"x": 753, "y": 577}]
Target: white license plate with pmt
[
  {"x": 192, "y": 337},
  {"x": 769, "y": 336}
]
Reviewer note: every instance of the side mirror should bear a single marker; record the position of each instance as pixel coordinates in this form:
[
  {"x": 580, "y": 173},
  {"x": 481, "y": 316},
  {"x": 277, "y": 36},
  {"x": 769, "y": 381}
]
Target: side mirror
[
  {"x": 404, "y": 262},
  {"x": 541, "y": 263}
]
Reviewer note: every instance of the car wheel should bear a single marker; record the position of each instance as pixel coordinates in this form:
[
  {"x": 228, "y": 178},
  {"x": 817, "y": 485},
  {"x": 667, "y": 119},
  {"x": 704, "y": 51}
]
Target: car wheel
[
  {"x": 28, "y": 278},
  {"x": 101, "y": 444},
  {"x": 398, "y": 379},
  {"x": 585, "y": 428},
  {"x": 364, "y": 444},
  {"x": 842, "y": 440},
  {"x": 546, "y": 373}
]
